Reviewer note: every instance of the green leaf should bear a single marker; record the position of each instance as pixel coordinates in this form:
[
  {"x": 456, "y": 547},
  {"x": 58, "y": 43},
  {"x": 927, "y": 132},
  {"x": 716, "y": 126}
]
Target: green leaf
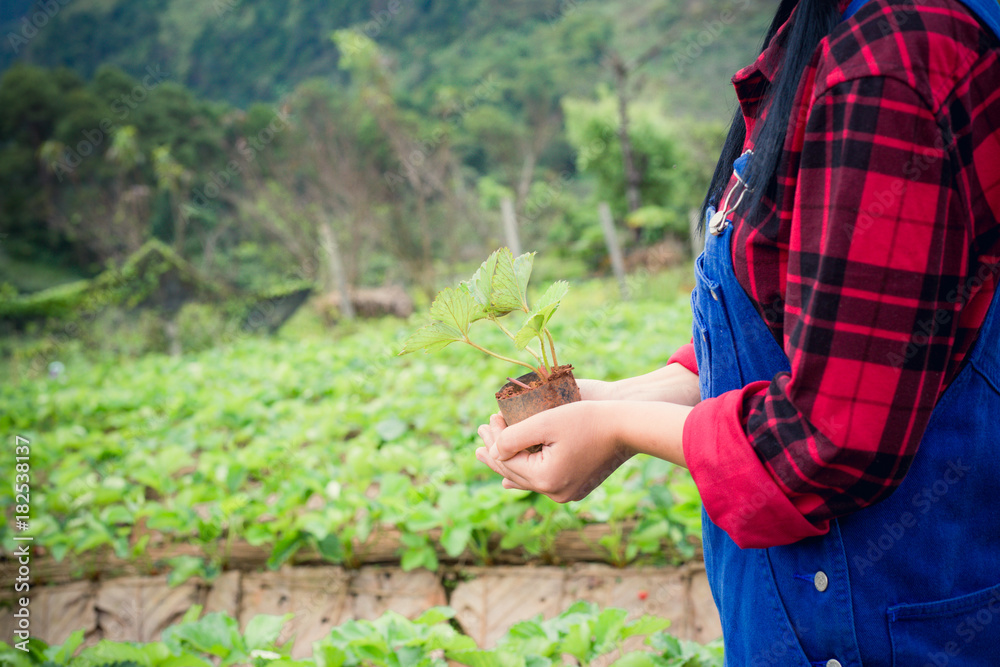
[
  {"x": 327, "y": 655},
  {"x": 431, "y": 338},
  {"x": 510, "y": 282},
  {"x": 216, "y": 634},
  {"x": 532, "y": 327},
  {"x": 330, "y": 548},
  {"x": 500, "y": 284},
  {"x": 184, "y": 660},
  {"x": 646, "y": 625},
  {"x": 418, "y": 553},
  {"x": 409, "y": 656},
  {"x": 36, "y": 650},
  {"x": 284, "y": 549},
  {"x": 577, "y": 642},
  {"x": 457, "y": 308},
  {"x": 667, "y": 645},
  {"x": 539, "y": 318},
  {"x": 537, "y": 661},
  {"x": 372, "y": 652},
  {"x": 480, "y": 285},
  {"x": 116, "y": 514},
  {"x": 60, "y": 655},
  {"x": 526, "y": 629},
  {"x": 553, "y": 295},
  {"x": 59, "y": 550},
  {"x": 454, "y": 538},
  {"x": 93, "y": 540},
  {"x": 106, "y": 651},
  {"x": 391, "y": 428},
  {"x": 157, "y": 652},
  {"x": 608, "y": 627},
  {"x": 183, "y": 568},
  {"x": 435, "y": 615},
  {"x": 635, "y": 659},
  {"x": 446, "y": 638},
  {"x": 192, "y": 614},
  {"x": 494, "y": 658},
  {"x": 263, "y": 630}
]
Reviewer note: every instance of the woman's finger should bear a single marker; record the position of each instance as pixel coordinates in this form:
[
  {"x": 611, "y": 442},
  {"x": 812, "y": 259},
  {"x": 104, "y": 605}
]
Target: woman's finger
[
  {"x": 522, "y": 435},
  {"x": 483, "y": 455},
  {"x": 515, "y": 470}
]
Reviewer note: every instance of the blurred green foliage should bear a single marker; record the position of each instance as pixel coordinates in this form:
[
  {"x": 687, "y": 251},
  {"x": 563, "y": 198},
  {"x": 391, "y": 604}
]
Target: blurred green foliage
[{"x": 233, "y": 131}]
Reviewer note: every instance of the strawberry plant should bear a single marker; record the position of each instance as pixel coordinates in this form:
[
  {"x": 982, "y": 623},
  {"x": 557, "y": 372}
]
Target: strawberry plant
[{"x": 498, "y": 288}]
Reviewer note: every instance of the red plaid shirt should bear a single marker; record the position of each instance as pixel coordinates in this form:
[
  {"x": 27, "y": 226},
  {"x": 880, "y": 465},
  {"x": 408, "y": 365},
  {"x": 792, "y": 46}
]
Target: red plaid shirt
[{"x": 874, "y": 268}]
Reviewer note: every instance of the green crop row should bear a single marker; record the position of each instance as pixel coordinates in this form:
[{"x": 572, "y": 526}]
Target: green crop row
[
  {"x": 578, "y": 636},
  {"x": 324, "y": 440}
]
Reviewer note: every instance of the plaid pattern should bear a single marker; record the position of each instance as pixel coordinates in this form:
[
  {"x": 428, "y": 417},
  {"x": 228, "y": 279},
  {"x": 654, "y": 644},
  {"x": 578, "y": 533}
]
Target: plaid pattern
[{"x": 879, "y": 256}]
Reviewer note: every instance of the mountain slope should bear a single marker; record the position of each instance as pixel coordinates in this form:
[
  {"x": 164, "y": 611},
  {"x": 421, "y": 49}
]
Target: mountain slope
[{"x": 243, "y": 51}]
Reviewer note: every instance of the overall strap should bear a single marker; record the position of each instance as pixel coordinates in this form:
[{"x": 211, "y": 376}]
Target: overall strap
[
  {"x": 985, "y": 355},
  {"x": 851, "y": 9},
  {"x": 987, "y": 11}
]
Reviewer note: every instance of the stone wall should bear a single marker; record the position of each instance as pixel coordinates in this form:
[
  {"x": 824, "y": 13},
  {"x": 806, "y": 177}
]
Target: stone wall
[{"x": 487, "y": 600}]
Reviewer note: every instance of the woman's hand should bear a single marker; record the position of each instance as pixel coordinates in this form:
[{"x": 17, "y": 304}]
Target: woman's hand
[
  {"x": 579, "y": 450},
  {"x": 581, "y": 443}
]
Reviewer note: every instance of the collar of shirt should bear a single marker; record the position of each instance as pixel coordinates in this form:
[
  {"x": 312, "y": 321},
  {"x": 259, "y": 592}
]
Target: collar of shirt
[{"x": 752, "y": 81}]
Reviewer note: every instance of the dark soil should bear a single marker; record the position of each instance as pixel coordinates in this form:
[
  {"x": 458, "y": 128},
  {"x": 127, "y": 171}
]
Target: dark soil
[{"x": 513, "y": 389}]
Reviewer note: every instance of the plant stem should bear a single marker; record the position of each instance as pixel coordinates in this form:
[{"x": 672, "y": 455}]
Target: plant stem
[
  {"x": 518, "y": 382},
  {"x": 511, "y": 336},
  {"x": 552, "y": 345},
  {"x": 542, "y": 370},
  {"x": 500, "y": 356},
  {"x": 541, "y": 344},
  {"x": 502, "y": 328}
]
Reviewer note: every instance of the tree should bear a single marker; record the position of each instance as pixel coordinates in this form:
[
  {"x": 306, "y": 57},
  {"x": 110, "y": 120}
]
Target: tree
[
  {"x": 175, "y": 180},
  {"x": 424, "y": 169},
  {"x": 670, "y": 182}
]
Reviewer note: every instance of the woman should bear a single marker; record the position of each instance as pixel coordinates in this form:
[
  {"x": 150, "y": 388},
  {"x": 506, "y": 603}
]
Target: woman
[{"x": 839, "y": 407}]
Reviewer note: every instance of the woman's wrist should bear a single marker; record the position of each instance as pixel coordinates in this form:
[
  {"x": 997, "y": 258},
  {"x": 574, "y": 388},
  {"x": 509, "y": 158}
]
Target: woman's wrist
[
  {"x": 672, "y": 384},
  {"x": 655, "y": 428}
]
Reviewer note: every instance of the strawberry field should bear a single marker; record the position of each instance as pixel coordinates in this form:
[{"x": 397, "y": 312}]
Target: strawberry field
[
  {"x": 325, "y": 442},
  {"x": 323, "y": 446}
]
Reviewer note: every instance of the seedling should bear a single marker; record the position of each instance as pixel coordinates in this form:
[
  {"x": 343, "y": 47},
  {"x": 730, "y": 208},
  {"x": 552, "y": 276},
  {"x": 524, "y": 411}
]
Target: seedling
[{"x": 498, "y": 288}]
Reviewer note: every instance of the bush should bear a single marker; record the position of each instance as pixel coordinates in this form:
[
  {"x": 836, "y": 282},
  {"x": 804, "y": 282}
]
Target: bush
[{"x": 199, "y": 326}]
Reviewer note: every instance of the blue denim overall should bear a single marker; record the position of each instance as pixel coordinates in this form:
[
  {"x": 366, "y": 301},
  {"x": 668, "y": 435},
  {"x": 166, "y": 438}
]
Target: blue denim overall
[{"x": 912, "y": 581}]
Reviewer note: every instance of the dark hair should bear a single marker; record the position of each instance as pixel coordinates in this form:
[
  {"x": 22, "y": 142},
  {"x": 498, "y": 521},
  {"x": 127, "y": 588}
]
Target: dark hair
[{"x": 813, "y": 20}]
